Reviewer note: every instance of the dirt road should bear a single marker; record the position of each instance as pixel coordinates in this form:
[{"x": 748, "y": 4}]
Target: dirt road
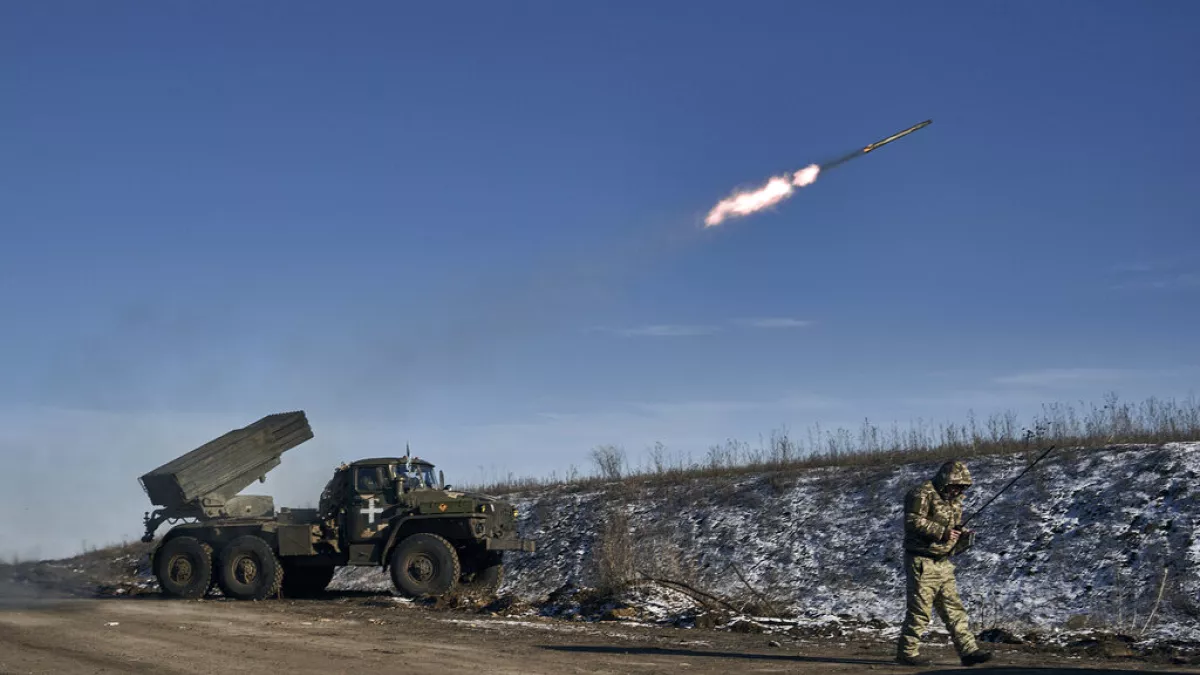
[{"x": 378, "y": 634}]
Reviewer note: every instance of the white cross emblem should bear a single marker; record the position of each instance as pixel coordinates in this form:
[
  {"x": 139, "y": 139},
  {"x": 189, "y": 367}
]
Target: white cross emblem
[{"x": 371, "y": 510}]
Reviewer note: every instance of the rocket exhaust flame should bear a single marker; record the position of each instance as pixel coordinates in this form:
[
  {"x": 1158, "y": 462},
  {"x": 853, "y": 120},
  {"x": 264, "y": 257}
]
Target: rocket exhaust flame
[
  {"x": 781, "y": 187},
  {"x": 776, "y": 190}
]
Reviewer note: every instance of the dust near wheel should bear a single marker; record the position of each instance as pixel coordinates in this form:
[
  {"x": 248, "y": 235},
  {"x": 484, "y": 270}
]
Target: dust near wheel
[
  {"x": 425, "y": 565},
  {"x": 184, "y": 567},
  {"x": 248, "y": 569}
]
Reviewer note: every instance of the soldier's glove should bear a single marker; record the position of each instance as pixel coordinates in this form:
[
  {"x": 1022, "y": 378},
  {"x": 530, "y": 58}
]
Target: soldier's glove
[{"x": 966, "y": 540}]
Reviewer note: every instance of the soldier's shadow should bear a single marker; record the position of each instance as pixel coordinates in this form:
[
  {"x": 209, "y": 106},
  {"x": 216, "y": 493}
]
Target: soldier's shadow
[
  {"x": 695, "y": 653},
  {"x": 1025, "y": 670}
]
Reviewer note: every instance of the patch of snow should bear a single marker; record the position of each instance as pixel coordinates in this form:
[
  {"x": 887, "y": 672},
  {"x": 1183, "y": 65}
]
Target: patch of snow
[{"x": 500, "y": 624}]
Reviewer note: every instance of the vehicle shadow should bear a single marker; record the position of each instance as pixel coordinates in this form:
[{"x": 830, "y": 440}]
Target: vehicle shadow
[
  {"x": 380, "y": 597},
  {"x": 796, "y": 658},
  {"x": 215, "y": 595}
]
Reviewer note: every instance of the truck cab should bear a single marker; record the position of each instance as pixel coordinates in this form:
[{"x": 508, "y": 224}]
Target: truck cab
[{"x": 397, "y": 513}]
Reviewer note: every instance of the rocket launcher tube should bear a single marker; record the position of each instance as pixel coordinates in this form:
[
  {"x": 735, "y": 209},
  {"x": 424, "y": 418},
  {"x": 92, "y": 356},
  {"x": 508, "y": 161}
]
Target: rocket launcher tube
[{"x": 201, "y": 482}]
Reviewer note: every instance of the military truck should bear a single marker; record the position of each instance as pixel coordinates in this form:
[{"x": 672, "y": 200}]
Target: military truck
[{"x": 390, "y": 512}]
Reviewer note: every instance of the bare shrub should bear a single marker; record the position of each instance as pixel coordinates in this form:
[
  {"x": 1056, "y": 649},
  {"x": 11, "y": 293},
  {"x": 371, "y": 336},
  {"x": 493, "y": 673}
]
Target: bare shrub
[
  {"x": 1135, "y": 606},
  {"x": 658, "y": 458},
  {"x": 730, "y": 455},
  {"x": 656, "y": 554},
  {"x": 613, "y": 553},
  {"x": 988, "y": 613},
  {"x": 610, "y": 461},
  {"x": 783, "y": 450}
]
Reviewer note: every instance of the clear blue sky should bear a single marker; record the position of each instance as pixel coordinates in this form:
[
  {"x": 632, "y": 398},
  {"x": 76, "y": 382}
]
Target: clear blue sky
[{"x": 476, "y": 227}]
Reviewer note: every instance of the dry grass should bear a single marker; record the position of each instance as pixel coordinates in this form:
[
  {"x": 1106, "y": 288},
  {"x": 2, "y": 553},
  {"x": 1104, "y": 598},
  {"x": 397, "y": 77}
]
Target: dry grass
[{"x": 1090, "y": 425}]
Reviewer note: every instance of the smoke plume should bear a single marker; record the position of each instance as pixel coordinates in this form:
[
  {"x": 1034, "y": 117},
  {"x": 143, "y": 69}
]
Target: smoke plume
[{"x": 776, "y": 190}]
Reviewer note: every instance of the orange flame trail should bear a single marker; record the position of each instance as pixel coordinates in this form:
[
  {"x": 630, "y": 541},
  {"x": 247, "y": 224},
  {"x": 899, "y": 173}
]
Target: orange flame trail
[{"x": 776, "y": 190}]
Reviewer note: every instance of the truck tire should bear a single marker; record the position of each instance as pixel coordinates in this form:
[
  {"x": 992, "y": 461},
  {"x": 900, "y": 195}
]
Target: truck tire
[
  {"x": 184, "y": 567},
  {"x": 425, "y": 565},
  {"x": 248, "y": 569},
  {"x": 305, "y": 581}
]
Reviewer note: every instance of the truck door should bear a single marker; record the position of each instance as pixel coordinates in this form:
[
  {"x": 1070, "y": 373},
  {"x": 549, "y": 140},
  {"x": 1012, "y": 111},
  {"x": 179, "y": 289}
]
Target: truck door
[{"x": 374, "y": 501}]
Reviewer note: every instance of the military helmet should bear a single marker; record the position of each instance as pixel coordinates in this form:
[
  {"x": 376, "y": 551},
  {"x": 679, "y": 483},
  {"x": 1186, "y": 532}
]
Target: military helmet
[{"x": 953, "y": 472}]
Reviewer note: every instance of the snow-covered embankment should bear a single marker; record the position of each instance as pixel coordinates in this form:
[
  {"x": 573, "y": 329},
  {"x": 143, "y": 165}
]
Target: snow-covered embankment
[{"x": 1084, "y": 538}]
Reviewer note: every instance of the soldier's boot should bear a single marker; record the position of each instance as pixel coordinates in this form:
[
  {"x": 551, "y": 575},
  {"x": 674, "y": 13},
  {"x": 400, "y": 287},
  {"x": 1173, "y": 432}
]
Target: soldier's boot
[{"x": 976, "y": 657}]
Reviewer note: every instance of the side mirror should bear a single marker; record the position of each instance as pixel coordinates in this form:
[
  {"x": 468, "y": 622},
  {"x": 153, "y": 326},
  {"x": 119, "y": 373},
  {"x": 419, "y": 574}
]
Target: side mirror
[{"x": 442, "y": 479}]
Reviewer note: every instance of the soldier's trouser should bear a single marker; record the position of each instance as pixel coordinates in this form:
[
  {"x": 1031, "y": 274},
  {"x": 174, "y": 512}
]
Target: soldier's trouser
[{"x": 931, "y": 586}]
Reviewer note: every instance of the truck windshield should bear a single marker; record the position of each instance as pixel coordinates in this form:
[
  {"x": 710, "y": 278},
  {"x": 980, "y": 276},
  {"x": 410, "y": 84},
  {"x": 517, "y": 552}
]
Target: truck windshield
[{"x": 419, "y": 476}]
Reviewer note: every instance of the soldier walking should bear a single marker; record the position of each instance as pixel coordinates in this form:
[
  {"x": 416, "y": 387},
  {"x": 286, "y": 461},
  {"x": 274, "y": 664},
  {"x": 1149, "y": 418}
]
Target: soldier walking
[{"x": 932, "y": 531}]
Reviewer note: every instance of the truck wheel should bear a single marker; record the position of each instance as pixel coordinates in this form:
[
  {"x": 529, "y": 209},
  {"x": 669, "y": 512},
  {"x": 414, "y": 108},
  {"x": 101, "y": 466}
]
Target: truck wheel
[
  {"x": 248, "y": 569},
  {"x": 425, "y": 565},
  {"x": 184, "y": 567},
  {"x": 305, "y": 581}
]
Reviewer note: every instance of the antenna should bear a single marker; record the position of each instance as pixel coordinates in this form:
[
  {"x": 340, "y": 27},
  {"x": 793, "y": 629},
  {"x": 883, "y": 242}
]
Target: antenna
[{"x": 1010, "y": 484}]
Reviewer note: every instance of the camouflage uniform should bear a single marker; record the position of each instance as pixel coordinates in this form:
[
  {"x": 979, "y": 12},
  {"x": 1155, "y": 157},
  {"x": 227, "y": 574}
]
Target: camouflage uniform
[{"x": 928, "y": 518}]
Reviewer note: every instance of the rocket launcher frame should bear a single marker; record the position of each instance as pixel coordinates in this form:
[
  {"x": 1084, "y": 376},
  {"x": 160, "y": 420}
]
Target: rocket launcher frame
[{"x": 205, "y": 482}]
